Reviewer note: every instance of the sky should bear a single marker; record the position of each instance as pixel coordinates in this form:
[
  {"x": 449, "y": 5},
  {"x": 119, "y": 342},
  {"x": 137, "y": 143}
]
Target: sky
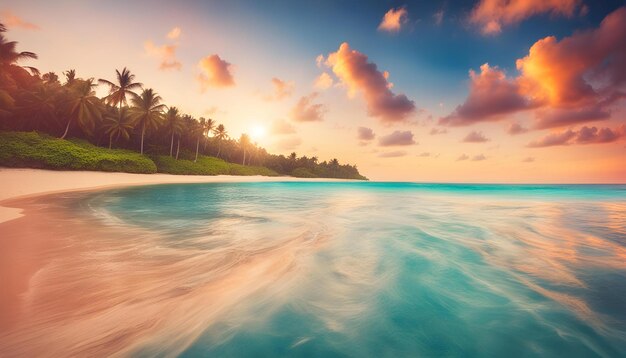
[{"x": 430, "y": 91}]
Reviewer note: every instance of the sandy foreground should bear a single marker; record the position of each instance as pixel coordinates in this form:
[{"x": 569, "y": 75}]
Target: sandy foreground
[{"x": 18, "y": 183}]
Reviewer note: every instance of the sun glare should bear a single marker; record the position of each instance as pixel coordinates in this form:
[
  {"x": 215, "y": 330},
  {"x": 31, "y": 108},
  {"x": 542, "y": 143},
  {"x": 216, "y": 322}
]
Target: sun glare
[{"x": 257, "y": 132}]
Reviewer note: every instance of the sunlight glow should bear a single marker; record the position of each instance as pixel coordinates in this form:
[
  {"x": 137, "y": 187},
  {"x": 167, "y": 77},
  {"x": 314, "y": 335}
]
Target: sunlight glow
[{"x": 257, "y": 132}]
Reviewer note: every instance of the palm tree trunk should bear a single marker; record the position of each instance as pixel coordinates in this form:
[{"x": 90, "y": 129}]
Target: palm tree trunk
[
  {"x": 110, "y": 140},
  {"x": 172, "y": 144},
  {"x": 219, "y": 149},
  {"x": 143, "y": 131},
  {"x": 66, "y": 129},
  {"x": 197, "y": 147},
  {"x": 244, "y": 158},
  {"x": 178, "y": 148}
]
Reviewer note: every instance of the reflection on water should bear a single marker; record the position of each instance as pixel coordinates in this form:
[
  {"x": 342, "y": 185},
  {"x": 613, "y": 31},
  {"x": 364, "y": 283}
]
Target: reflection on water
[{"x": 321, "y": 269}]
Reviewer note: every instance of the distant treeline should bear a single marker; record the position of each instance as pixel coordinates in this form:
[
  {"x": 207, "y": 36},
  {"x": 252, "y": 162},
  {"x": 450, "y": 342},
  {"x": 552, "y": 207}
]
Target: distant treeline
[{"x": 130, "y": 117}]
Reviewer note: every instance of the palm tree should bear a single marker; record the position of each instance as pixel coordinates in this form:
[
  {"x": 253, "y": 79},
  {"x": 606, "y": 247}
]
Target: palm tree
[
  {"x": 8, "y": 54},
  {"x": 173, "y": 125},
  {"x": 83, "y": 106},
  {"x": 9, "y": 71},
  {"x": 124, "y": 87},
  {"x": 147, "y": 111},
  {"x": 220, "y": 134},
  {"x": 198, "y": 130},
  {"x": 244, "y": 142},
  {"x": 70, "y": 77},
  {"x": 118, "y": 125}
]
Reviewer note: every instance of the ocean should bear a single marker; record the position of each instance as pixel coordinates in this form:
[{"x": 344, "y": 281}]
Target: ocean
[{"x": 331, "y": 269}]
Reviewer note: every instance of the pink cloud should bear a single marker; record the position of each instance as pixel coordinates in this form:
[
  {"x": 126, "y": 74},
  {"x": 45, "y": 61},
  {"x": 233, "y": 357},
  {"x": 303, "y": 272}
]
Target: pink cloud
[
  {"x": 281, "y": 126},
  {"x": 586, "y": 135},
  {"x": 394, "y": 19},
  {"x": 478, "y": 158},
  {"x": 165, "y": 53},
  {"x": 397, "y": 138},
  {"x": 436, "y": 131},
  {"x": 215, "y": 72},
  {"x": 358, "y": 75},
  {"x": 174, "y": 33},
  {"x": 11, "y": 20},
  {"x": 491, "y": 15},
  {"x": 364, "y": 133},
  {"x": 394, "y": 154},
  {"x": 475, "y": 137},
  {"x": 492, "y": 96},
  {"x": 307, "y": 111},
  {"x": 516, "y": 128},
  {"x": 323, "y": 81}
]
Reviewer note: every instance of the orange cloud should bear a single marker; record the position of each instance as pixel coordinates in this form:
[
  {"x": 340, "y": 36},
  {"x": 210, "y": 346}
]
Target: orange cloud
[
  {"x": 364, "y": 133},
  {"x": 215, "y": 72},
  {"x": 166, "y": 54},
  {"x": 282, "y": 90},
  {"x": 307, "y": 111},
  {"x": 575, "y": 80},
  {"x": 323, "y": 81},
  {"x": 174, "y": 33},
  {"x": 11, "y": 20},
  {"x": 491, "y": 15},
  {"x": 358, "y": 75},
  {"x": 394, "y": 154},
  {"x": 516, "y": 128},
  {"x": 394, "y": 19}
]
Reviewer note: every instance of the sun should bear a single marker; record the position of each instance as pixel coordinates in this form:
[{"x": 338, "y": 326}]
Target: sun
[{"x": 257, "y": 132}]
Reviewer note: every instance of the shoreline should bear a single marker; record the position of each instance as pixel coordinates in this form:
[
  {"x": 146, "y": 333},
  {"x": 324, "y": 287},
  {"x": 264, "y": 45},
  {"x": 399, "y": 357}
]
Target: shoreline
[{"x": 25, "y": 183}]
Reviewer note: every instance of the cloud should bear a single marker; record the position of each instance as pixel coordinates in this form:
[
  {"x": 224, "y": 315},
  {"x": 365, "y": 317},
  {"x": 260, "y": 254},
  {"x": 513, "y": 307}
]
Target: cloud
[
  {"x": 364, "y": 133},
  {"x": 166, "y": 54},
  {"x": 394, "y": 19},
  {"x": 491, "y": 15},
  {"x": 280, "y": 126},
  {"x": 424, "y": 154},
  {"x": 478, "y": 158},
  {"x": 516, "y": 128},
  {"x": 11, "y": 20},
  {"x": 586, "y": 135},
  {"x": 528, "y": 160},
  {"x": 358, "y": 75},
  {"x": 323, "y": 81},
  {"x": 397, "y": 138},
  {"x": 438, "y": 17},
  {"x": 282, "y": 90},
  {"x": 395, "y": 154},
  {"x": 436, "y": 131},
  {"x": 475, "y": 137},
  {"x": 572, "y": 81},
  {"x": 462, "y": 158},
  {"x": 492, "y": 95},
  {"x": 215, "y": 72},
  {"x": 174, "y": 33},
  {"x": 289, "y": 143},
  {"x": 307, "y": 111}
]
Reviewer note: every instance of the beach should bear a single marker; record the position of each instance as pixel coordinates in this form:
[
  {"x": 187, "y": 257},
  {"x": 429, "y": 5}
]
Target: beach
[{"x": 96, "y": 264}]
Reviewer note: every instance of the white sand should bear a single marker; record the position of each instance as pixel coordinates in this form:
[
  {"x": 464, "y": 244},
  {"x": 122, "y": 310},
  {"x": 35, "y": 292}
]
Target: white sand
[{"x": 16, "y": 183}]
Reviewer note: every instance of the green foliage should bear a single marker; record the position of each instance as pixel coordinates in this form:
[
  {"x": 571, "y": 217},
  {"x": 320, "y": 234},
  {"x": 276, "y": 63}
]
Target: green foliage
[
  {"x": 207, "y": 166},
  {"x": 303, "y": 173},
  {"x": 33, "y": 150}
]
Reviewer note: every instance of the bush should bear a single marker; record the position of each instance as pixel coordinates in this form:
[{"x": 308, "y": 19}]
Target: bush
[
  {"x": 33, "y": 150},
  {"x": 207, "y": 166},
  {"x": 303, "y": 173}
]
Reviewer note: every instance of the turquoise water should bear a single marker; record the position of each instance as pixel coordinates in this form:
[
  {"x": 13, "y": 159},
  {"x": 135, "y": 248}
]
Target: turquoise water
[{"x": 360, "y": 269}]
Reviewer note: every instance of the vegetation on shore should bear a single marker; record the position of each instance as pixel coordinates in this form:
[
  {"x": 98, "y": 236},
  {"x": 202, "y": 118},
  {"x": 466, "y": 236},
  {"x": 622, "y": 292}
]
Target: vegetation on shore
[{"x": 148, "y": 135}]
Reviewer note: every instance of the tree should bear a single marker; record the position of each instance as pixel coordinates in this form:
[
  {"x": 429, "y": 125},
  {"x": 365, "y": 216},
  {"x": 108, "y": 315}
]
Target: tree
[
  {"x": 147, "y": 111},
  {"x": 244, "y": 142},
  {"x": 83, "y": 106},
  {"x": 118, "y": 124},
  {"x": 207, "y": 127},
  {"x": 70, "y": 77},
  {"x": 173, "y": 125},
  {"x": 124, "y": 87},
  {"x": 219, "y": 134},
  {"x": 198, "y": 132}
]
